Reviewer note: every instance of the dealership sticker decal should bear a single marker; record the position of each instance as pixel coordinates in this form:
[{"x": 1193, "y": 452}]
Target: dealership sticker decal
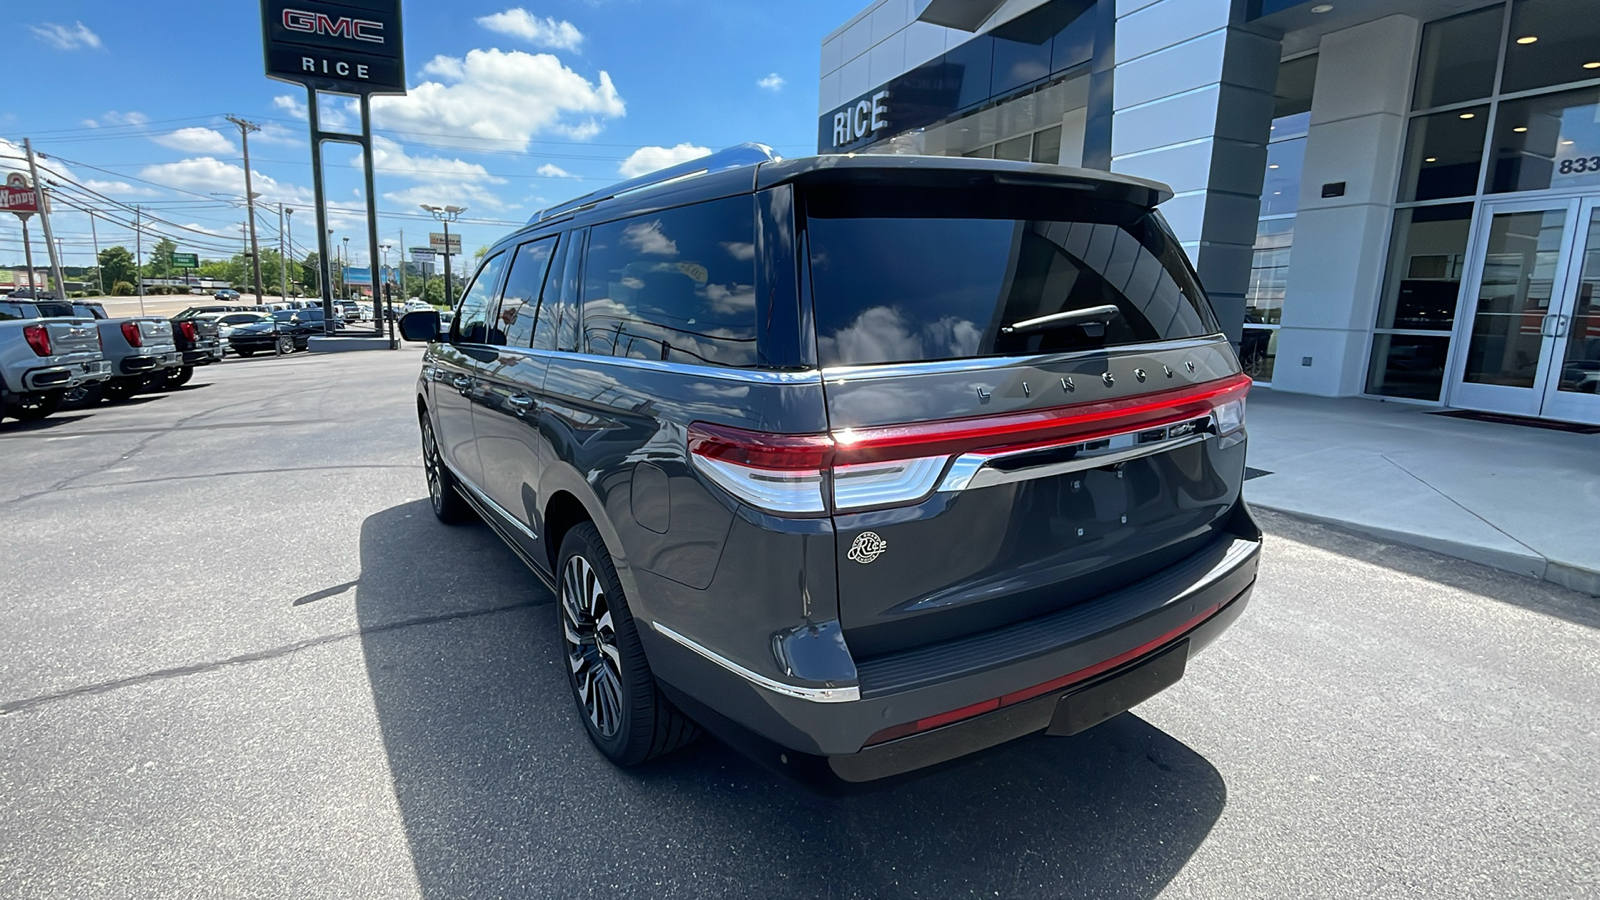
[{"x": 868, "y": 547}]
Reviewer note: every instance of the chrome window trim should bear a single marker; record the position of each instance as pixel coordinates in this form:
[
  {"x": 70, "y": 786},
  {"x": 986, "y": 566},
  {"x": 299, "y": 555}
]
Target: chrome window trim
[
  {"x": 869, "y": 371},
  {"x": 847, "y": 694},
  {"x": 759, "y": 376}
]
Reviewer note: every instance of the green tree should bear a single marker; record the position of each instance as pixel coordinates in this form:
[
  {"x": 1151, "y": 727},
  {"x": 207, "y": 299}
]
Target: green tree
[
  {"x": 433, "y": 292},
  {"x": 160, "y": 265},
  {"x": 117, "y": 265},
  {"x": 311, "y": 274}
]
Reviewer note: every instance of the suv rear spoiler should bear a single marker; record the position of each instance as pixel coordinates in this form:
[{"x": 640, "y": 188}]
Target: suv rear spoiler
[{"x": 956, "y": 171}]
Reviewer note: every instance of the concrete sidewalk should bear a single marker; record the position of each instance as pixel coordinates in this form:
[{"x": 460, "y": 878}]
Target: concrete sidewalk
[{"x": 1522, "y": 499}]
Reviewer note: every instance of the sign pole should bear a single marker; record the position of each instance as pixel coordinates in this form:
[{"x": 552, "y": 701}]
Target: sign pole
[
  {"x": 44, "y": 216},
  {"x": 372, "y": 221},
  {"x": 27, "y": 252},
  {"x": 403, "y": 295},
  {"x": 324, "y": 267}
]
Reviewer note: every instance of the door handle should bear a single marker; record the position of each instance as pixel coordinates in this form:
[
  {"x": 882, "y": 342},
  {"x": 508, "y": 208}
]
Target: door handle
[
  {"x": 462, "y": 382},
  {"x": 1561, "y": 326},
  {"x": 1544, "y": 326},
  {"x": 519, "y": 403}
]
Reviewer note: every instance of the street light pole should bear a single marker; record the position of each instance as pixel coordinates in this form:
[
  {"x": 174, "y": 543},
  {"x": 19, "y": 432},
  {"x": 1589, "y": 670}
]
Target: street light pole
[
  {"x": 250, "y": 197},
  {"x": 344, "y": 266},
  {"x": 446, "y": 214}
]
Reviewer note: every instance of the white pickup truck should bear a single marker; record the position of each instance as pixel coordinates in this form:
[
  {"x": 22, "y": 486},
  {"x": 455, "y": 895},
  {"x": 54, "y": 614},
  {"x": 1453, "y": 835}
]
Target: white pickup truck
[{"x": 42, "y": 358}]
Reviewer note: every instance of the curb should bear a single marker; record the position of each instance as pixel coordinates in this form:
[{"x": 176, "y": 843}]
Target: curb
[{"x": 1532, "y": 565}]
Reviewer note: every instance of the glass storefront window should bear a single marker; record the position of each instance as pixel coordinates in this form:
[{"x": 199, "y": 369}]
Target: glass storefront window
[
  {"x": 1408, "y": 365},
  {"x": 1047, "y": 146},
  {"x": 1263, "y": 299},
  {"x": 1443, "y": 153},
  {"x": 1020, "y": 149},
  {"x": 1458, "y": 58},
  {"x": 1280, "y": 190},
  {"x": 1426, "y": 256},
  {"x": 1551, "y": 42},
  {"x": 1548, "y": 141}
]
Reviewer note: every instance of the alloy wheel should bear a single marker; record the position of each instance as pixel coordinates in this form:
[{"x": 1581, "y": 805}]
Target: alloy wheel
[
  {"x": 430, "y": 466},
  {"x": 591, "y": 641}
]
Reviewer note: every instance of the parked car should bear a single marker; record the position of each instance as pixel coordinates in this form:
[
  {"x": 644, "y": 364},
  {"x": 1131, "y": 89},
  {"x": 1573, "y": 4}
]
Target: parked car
[
  {"x": 349, "y": 310},
  {"x": 226, "y": 295},
  {"x": 856, "y": 516},
  {"x": 142, "y": 353},
  {"x": 219, "y": 308},
  {"x": 284, "y": 331},
  {"x": 44, "y": 358},
  {"x": 199, "y": 344},
  {"x": 29, "y": 293},
  {"x": 228, "y": 321}
]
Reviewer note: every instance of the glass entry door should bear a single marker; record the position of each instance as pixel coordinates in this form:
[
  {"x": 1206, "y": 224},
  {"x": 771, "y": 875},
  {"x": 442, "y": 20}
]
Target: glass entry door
[{"x": 1534, "y": 344}]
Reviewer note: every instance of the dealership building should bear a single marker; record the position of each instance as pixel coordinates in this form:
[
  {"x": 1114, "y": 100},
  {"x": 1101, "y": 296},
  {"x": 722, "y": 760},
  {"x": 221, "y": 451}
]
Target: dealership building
[{"x": 1391, "y": 198}]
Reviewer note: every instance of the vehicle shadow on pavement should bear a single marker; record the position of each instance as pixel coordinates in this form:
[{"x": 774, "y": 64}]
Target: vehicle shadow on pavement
[
  {"x": 1519, "y": 590},
  {"x": 502, "y": 795}
]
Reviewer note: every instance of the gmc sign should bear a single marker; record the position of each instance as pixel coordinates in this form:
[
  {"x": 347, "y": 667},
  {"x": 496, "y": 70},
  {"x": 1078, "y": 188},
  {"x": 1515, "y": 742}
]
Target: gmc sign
[{"x": 342, "y": 46}]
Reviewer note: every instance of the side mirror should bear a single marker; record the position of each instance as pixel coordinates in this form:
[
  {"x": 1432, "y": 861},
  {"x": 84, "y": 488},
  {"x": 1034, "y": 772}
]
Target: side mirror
[{"x": 420, "y": 326}]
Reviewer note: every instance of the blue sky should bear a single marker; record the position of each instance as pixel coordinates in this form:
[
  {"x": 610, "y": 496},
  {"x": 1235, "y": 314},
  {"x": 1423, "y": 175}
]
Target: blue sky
[{"x": 512, "y": 106}]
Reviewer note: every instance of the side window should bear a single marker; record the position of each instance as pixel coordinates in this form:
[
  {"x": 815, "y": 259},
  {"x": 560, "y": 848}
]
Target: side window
[
  {"x": 472, "y": 311},
  {"x": 676, "y": 286},
  {"x": 11, "y": 311},
  {"x": 544, "y": 329},
  {"x": 519, "y": 302}
]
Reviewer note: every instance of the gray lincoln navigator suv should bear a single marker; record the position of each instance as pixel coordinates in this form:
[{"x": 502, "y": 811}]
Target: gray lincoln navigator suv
[{"x": 861, "y": 463}]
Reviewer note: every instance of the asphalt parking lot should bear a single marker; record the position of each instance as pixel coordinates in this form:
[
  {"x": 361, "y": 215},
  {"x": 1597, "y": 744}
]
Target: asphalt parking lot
[{"x": 241, "y": 659}]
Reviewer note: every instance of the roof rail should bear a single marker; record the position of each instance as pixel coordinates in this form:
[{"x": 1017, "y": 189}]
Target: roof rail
[{"x": 733, "y": 157}]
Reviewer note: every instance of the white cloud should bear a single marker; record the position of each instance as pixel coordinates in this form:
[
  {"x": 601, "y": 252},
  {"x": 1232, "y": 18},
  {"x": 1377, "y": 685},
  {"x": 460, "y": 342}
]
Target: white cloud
[
  {"x": 90, "y": 123},
  {"x": 549, "y": 170},
  {"x": 500, "y": 95},
  {"x": 649, "y": 159},
  {"x": 471, "y": 195},
  {"x": 123, "y": 118},
  {"x": 65, "y": 37},
  {"x": 545, "y": 32},
  {"x": 444, "y": 181},
  {"x": 196, "y": 140},
  {"x": 205, "y": 175},
  {"x": 772, "y": 82},
  {"x": 292, "y": 105},
  {"x": 647, "y": 237},
  {"x": 273, "y": 133},
  {"x": 119, "y": 188}
]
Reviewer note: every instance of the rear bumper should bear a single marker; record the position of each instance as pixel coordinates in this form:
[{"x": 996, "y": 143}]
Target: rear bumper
[
  {"x": 153, "y": 362},
  {"x": 202, "y": 353},
  {"x": 67, "y": 376},
  {"x": 990, "y": 687}
]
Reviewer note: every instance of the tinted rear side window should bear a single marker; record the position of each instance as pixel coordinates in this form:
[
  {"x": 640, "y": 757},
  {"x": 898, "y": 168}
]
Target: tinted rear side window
[
  {"x": 16, "y": 311},
  {"x": 519, "y": 303},
  {"x": 677, "y": 286},
  {"x": 939, "y": 275}
]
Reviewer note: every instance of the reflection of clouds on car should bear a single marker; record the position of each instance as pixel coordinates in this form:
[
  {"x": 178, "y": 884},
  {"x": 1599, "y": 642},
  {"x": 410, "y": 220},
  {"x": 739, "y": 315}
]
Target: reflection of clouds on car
[
  {"x": 615, "y": 329},
  {"x": 882, "y": 333},
  {"x": 646, "y": 237},
  {"x": 743, "y": 251},
  {"x": 730, "y": 299}
]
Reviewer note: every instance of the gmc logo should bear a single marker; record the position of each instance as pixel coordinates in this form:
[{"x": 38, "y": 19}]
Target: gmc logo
[{"x": 342, "y": 27}]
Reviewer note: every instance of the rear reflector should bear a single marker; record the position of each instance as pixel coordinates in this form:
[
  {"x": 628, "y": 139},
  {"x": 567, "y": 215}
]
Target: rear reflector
[
  {"x": 929, "y": 723},
  {"x": 188, "y": 331},
  {"x": 805, "y": 474},
  {"x": 38, "y": 337},
  {"x": 130, "y": 330}
]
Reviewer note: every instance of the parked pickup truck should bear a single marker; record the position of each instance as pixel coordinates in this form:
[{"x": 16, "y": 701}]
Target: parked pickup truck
[
  {"x": 198, "y": 342},
  {"x": 141, "y": 352},
  {"x": 42, "y": 358}
]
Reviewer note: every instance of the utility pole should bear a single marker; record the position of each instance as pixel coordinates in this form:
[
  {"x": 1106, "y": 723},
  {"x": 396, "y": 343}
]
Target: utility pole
[
  {"x": 344, "y": 266},
  {"x": 44, "y": 214},
  {"x": 250, "y": 197},
  {"x": 403, "y": 295},
  {"x": 99, "y": 275},
  {"x": 288, "y": 228},
  {"x": 283, "y": 261},
  {"x": 138, "y": 252}
]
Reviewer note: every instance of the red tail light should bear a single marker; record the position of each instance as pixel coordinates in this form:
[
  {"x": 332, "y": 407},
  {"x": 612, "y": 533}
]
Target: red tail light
[
  {"x": 38, "y": 337},
  {"x": 799, "y": 474},
  {"x": 189, "y": 332},
  {"x": 130, "y": 330}
]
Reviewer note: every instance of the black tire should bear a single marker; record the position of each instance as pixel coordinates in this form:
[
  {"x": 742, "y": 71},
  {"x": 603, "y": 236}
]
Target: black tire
[
  {"x": 33, "y": 407},
  {"x": 285, "y": 345},
  {"x": 625, "y": 713},
  {"x": 178, "y": 377},
  {"x": 119, "y": 389},
  {"x": 444, "y": 495},
  {"x": 245, "y": 353}
]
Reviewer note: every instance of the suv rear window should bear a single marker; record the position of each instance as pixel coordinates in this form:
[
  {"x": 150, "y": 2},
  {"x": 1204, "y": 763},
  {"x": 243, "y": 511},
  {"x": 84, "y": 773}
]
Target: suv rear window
[{"x": 902, "y": 276}]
